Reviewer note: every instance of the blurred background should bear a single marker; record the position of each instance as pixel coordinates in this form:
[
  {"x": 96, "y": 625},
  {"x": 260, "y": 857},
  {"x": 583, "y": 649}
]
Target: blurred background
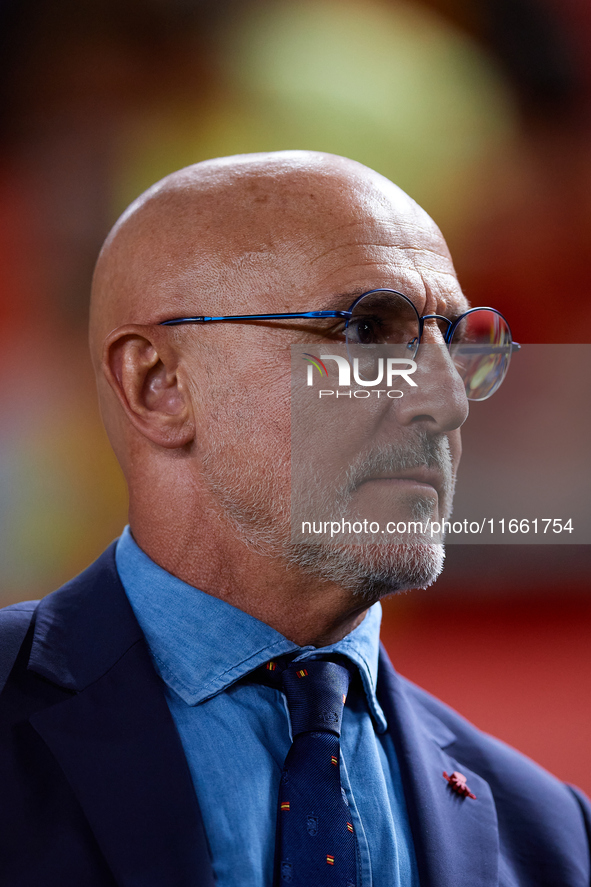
[{"x": 480, "y": 109}]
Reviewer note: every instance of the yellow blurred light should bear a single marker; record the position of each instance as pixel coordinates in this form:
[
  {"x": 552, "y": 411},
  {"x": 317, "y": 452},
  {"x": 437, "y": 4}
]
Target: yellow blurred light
[{"x": 392, "y": 85}]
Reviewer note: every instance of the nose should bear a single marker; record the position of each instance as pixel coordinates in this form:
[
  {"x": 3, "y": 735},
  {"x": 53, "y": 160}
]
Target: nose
[{"x": 439, "y": 399}]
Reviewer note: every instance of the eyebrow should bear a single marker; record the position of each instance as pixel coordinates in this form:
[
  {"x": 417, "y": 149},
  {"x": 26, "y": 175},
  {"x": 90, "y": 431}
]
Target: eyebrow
[{"x": 343, "y": 301}]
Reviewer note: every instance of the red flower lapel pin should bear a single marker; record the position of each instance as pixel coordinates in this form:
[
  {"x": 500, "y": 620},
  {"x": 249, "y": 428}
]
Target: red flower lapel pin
[{"x": 457, "y": 782}]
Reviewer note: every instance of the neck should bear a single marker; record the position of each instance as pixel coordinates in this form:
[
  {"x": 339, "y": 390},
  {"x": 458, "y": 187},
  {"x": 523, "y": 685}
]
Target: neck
[{"x": 302, "y": 608}]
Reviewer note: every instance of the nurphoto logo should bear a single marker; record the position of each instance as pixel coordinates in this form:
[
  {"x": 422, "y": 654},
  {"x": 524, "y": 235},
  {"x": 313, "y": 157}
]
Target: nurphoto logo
[{"x": 386, "y": 371}]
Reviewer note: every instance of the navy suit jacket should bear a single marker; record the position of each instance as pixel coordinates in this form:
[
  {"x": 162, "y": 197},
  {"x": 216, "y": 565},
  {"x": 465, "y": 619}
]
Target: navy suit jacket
[{"x": 95, "y": 790}]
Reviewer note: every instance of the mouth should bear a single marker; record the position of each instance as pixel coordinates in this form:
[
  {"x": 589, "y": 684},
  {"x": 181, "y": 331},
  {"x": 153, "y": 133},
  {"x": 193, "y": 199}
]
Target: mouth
[{"x": 420, "y": 476}]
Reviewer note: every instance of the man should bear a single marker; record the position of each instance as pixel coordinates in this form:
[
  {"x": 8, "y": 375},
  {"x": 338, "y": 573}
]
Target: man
[{"x": 152, "y": 709}]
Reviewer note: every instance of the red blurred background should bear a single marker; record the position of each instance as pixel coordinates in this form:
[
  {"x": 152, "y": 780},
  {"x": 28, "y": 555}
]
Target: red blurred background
[{"x": 479, "y": 109}]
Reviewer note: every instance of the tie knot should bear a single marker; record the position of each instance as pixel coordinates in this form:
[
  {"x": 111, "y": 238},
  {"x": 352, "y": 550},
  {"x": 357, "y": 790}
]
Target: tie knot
[{"x": 315, "y": 690}]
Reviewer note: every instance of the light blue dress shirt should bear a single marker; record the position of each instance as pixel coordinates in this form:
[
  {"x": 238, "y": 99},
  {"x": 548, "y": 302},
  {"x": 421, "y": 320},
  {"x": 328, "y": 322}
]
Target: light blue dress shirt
[{"x": 236, "y": 735}]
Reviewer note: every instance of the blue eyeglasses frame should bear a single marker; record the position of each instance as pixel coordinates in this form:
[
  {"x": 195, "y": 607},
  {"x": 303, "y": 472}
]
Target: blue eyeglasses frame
[{"x": 313, "y": 315}]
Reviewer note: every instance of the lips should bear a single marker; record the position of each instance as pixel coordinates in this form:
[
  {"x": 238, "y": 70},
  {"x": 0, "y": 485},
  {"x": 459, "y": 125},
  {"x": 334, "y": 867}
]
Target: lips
[{"x": 421, "y": 474}]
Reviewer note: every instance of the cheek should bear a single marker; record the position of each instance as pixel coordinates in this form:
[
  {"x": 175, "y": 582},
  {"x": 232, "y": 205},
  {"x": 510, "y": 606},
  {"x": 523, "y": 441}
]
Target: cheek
[
  {"x": 269, "y": 420},
  {"x": 249, "y": 410},
  {"x": 266, "y": 400}
]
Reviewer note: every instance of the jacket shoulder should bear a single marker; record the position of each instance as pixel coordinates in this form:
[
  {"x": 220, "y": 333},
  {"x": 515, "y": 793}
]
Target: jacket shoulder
[
  {"x": 14, "y": 624},
  {"x": 46, "y": 617},
  {"x": 501, "y": 764}
]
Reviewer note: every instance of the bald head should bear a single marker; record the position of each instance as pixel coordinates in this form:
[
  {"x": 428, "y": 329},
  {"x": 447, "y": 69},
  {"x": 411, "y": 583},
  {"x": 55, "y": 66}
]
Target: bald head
[{"x": 187, "y": 244}]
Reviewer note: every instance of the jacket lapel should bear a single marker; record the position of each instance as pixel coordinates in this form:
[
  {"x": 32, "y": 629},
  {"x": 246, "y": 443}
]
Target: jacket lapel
[
  {"x": 115, "y": 738},
  {"x": 456, "y": 839}
]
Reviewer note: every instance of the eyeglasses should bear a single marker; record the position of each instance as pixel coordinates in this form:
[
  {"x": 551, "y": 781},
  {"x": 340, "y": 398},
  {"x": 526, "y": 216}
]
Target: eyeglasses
[{"x": 479, "y": 341}]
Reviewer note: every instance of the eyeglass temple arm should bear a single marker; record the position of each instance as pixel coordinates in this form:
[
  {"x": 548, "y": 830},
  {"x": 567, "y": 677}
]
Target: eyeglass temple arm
[
  {"x": 175, "y": 321},
  {"x": 302, "y": 314}
]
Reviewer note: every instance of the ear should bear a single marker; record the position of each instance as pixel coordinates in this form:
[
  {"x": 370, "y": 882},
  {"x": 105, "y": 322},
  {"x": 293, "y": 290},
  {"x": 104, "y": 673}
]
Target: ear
[{"x": 142, "y": 368}]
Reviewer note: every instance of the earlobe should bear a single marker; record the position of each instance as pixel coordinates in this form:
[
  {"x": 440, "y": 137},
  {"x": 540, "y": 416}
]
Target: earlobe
[{"x": 143, "y": 371}]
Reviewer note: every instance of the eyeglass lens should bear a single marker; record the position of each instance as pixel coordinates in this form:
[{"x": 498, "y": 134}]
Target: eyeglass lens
[
  {"x": 481, "y": 350},
  {"x": 384, "y": 318},
  {"x": 480, "y": 346}
]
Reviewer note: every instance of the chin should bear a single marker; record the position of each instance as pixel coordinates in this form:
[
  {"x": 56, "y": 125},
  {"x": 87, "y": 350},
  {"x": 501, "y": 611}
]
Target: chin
[{"x": 372, "y": 571}]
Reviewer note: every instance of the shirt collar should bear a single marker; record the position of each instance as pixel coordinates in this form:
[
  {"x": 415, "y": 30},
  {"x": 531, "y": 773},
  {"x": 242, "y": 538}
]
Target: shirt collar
[{"x": 201, "y": 644}]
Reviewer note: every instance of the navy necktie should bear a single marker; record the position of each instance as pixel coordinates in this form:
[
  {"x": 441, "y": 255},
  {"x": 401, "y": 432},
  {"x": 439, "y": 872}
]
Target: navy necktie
[{"x": 316, "y": 845}]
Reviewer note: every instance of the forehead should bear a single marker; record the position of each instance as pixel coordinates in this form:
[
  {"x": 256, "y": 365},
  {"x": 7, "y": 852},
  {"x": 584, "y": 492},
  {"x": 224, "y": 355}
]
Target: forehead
[
  {"x": 337, "y": 239},
  {"x": 285, "y": 238},
  {"x": 381, "y": 252}
]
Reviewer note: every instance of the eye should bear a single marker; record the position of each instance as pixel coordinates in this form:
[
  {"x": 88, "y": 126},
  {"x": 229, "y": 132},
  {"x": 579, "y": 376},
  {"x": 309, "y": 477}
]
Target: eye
[{"x": 365, "y": 331}]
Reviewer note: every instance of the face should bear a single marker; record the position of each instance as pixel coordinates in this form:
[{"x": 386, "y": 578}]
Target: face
[{"x": 380, "y": 458}]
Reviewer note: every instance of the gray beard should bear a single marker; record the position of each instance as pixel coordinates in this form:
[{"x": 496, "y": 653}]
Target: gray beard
[
  {"x": 374, "y": 571},
  {"x": 253, "y": 502}
]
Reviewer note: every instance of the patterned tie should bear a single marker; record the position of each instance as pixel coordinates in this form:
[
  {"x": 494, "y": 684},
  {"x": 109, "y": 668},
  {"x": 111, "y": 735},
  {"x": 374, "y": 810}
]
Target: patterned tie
[{"x": 316, "y": 844}]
